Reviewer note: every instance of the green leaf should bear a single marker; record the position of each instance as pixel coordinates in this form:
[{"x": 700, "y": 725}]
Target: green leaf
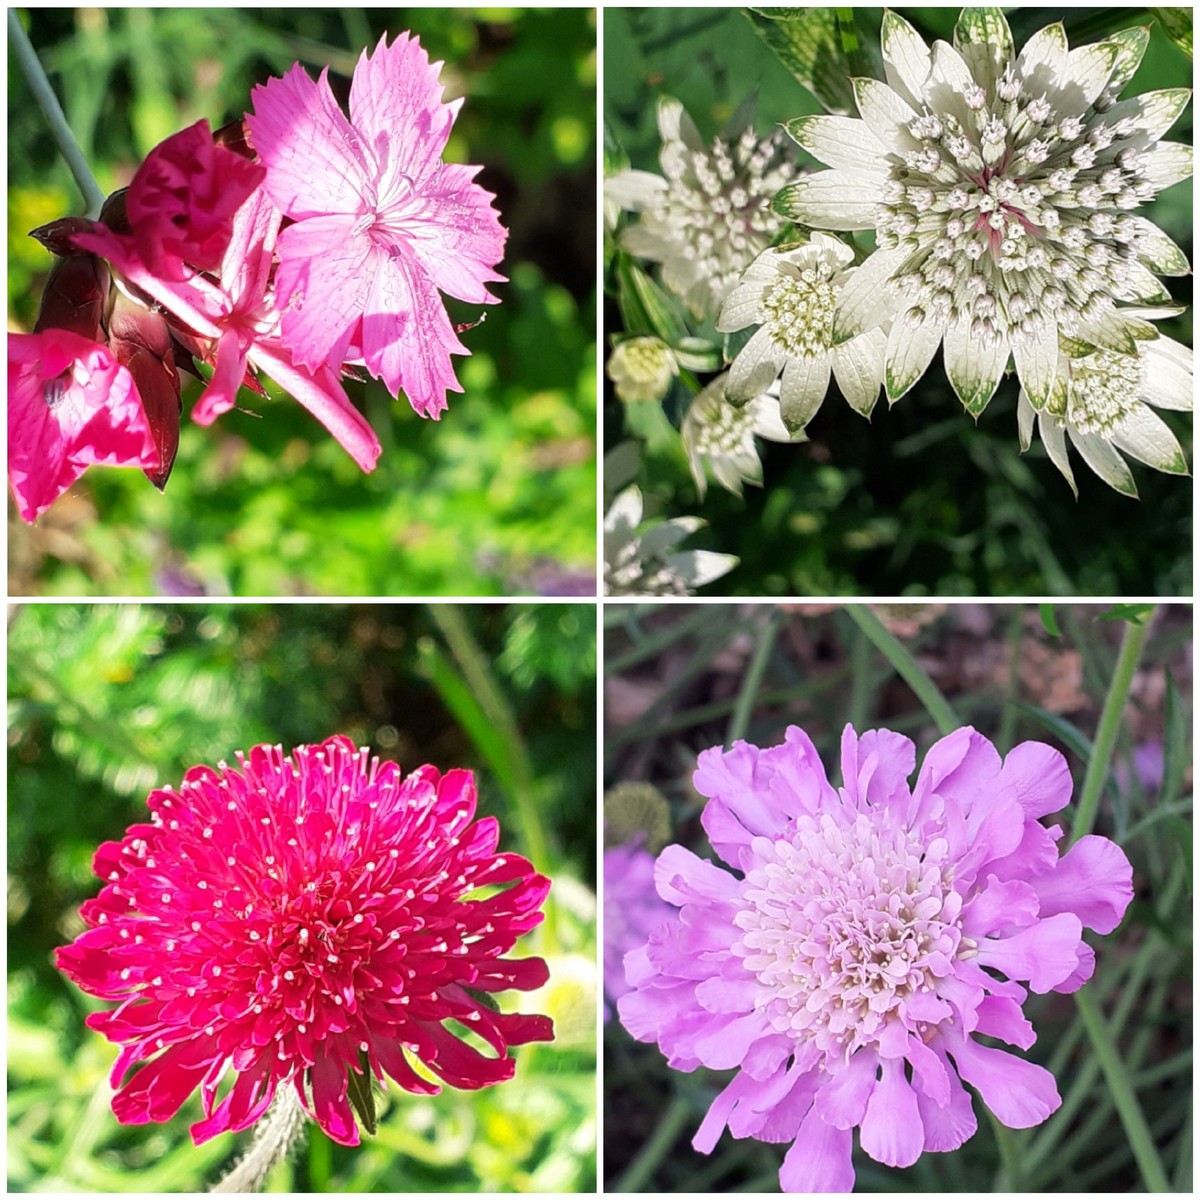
[
  {"x": 1175, "y": 743},
  {"x": 1177, "y": 25},
  {"x": 823, "y": 48},
  {"x": 645, "y": 307},
  {"x": 358, "y": 1088},
  {"x": 1135, "y": 614},
  {"x": 1048, "y": 619}
]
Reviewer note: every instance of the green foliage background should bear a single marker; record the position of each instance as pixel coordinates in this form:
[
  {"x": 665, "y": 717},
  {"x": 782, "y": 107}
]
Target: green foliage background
[
  {"x": 685, "y": 681},
  {"x": 106, "y": 702},
  {"x": 497, "y": 497},
  {"x": 920, "y": 501}
]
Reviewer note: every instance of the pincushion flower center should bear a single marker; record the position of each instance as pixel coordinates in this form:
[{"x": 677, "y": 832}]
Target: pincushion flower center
[
  {"x": 841, "y": 925},
  {"x": 798, "y": 310}
]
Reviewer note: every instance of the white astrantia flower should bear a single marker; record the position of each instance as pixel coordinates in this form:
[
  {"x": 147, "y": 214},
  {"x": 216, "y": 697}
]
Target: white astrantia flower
[
  {"x": 642, "y": 369},
  {"x": 1001, "y": 189},
  {"x": 648, "y": 564},
  {"x": 709, "y": 213},
  {"x": 1104, "y": 404},
  {"x": 721, "y": 435},
  {"x": 792, "y": 296}
]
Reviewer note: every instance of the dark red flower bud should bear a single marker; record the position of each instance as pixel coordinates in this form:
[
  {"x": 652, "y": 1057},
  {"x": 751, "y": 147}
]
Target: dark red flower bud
[{"x": 141, "y": 341}]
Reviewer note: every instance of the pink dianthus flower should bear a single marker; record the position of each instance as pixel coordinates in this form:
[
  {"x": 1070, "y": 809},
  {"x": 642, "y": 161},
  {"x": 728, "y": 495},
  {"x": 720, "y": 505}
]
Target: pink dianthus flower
[
  {"x": 380, "y": 222},
  {"x": 632, "y": 911},
  {"x": 296, "y": 919},
  {"x": 870, "y": 934},
  {"x": 71, "y": 405}
]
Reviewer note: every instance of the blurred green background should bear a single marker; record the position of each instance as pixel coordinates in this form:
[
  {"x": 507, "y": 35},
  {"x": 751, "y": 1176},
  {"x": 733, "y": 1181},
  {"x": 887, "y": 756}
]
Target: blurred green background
[
  {"x": 679, "y": 680},
  {"x": 921, "y": 500},
  {"x": 107, "y": 702},
  {"x": 499, "y": 496}
]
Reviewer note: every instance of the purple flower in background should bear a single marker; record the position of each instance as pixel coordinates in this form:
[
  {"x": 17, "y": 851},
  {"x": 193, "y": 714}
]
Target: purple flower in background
[
  {"x": 870, "y": 934},
  {"x": 632, "y": 912}
]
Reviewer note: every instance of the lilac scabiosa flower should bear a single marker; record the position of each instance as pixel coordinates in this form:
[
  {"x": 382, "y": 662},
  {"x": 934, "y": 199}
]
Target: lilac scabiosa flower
[
  {"x": 381, "y": 225},
  {"x": 1001, "y": 189},
  {"x": 792, "y": 296},
  {"x": 299, "y": 919},
  {"x": 632, "y": 911},
  {"x": 869, "y": 934},
  {"x": 710, "y": 215}
]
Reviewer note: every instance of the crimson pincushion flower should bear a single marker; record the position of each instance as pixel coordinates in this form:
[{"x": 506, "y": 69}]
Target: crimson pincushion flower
[
  {"x": 298, "y": 918},
  {"x": 871, "y": 934}
]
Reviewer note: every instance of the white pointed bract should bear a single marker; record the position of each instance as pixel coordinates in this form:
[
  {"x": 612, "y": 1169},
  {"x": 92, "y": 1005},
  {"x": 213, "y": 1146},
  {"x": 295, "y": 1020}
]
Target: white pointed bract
[
  {"x": 1103, "y": 405},
  {"x": 792, "y": 296},
  {"x": 721, "y": 435},
  {"x": 710, "y": 215},
  {"x": 1001, "y": 189},
  {"x": 648, "y": 564},
  {"x": 642, "y": 369}
]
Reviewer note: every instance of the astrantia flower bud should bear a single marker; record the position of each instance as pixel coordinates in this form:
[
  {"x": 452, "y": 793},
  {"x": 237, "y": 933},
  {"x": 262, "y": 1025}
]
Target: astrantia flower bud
[
  {"x": 642, "y": 369},
  {"x": 299, "y": 919},
  {"x": 864, "y": 939}
]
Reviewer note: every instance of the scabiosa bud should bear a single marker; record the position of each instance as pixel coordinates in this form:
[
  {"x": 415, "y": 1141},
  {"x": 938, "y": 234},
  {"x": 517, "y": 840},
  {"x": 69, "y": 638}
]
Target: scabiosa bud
[
  {"x": 298, "y": 920},
  {"x": 870, "y": 933},
  {"x": 1000, "y": 188},
  {"x": 710, "y": 215}
]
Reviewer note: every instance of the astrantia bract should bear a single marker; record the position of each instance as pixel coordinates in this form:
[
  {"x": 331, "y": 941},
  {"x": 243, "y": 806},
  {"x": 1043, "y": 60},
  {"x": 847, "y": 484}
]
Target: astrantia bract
[
  {"x": 869, "y": 934},
  {"x": 302, "y": 917},
  {"x": 379, "y": 222}
]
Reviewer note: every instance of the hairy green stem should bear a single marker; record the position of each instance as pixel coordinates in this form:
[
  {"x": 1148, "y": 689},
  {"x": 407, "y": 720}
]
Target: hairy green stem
[
  {"x": 47, "y": 101},
  {"x": 1140, "y": 1139},
  {"x": 274, "y": 1136},
  {"x": 1110, "y": 723},
  {"x": 906, "y": 667}
]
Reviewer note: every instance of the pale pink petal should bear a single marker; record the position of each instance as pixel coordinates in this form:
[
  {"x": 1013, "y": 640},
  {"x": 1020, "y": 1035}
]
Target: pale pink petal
[
  {"x": 314, "y": 158},
  {"x": 324, "y": 274},
  {"x": 819, "y": 1160},
  {"x": 1041, "y": 777},
  {"x": 891, "y": 1131},
  {"x": 1020, "y": 1093},
  {"x": 1093, "y": 880}
]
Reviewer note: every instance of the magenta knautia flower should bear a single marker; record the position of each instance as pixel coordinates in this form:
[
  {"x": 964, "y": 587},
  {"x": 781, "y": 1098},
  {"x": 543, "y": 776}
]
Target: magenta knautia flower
[
  {"x": 298, "y": 918},
  {"x": 632, "y": 911},
  {"x": 381, "y": 223},
  {"x": 870, "y": 934}
]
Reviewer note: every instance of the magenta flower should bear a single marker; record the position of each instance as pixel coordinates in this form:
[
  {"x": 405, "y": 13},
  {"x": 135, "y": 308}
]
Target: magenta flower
[
  {"x": 381, "y": 222},
  {"x": 182, "y": 200},
  {"x": 870, "y": 934},
  {"x": 71, "y": 405},
  {"x": 298, "y": 919},
  {"x": 632, "y": 911},
  {"x": 234, "y": 324}
]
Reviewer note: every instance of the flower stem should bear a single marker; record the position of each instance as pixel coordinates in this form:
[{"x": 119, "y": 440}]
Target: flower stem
[
  {"x": 1140, "y": 1140},
  {"x": 906, "y": 667},
  {"x": 753, "y": 679},
  {"x": 43, "y": 93},
  {"x": 1110, "y": 723},
  {"x": 274, "y": 1136}
]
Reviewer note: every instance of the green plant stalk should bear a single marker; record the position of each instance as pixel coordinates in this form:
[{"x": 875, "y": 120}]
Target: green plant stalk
[
  {"x": 1110, "y": 723},
  {"x": 655, "y": 1148},
  {"x": 752, "y": 681},
  {"x": 481, "y": 681},
  {"x": 906, "y": 667},
  {"x": 1130, "y": 1112},
  {"x": 47, "y": 101}
]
